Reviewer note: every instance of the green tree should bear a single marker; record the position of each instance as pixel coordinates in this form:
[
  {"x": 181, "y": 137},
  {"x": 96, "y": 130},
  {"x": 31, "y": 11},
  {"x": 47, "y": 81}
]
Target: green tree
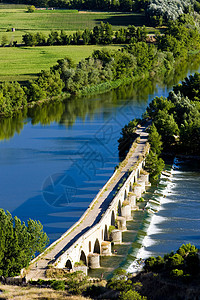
[
  {"x": 167, "y": 127},
  {"x": 155, "y": 140},
  {"x": 4, "y": 40},
  {"x": 154, "y": 165},
  {"x": 131, "y": 295},
  {"x": 128, "y": 135},
  {"x": 29, "y": 39},
  {"x": 53, "y": 38},
  {"x": 86, "y": 36},
  {"x": 14, "y": 95},
  {"x": 40, "y": 39},
  {"x": 31, "y": 9},
  {"x": 19, "y": 243}
]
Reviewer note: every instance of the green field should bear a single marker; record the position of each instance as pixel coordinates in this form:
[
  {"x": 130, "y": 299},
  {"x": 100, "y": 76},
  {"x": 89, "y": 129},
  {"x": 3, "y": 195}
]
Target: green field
[
  {"x": 45, "y": 21},
  {"x": 25, "y": 62},
  {"x": 22, "y": 63},
  {"x": 48, "y": 20}
]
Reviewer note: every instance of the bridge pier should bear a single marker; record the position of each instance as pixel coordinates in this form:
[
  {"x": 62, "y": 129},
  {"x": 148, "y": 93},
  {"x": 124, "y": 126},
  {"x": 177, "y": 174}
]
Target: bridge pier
[
  {"x": 145, "y": 177},
  {"x": 116, "y": 236},
  {"x": 126, "y": 212},
  {"x": 132, "y": 200},
  {"x": 121, "y": 223},
  {"x": 138, "y": 191},
  {"x": 106, "y": 248},
  {"x": 93, "y": 260},
  {"x": 141, "y": 182}
]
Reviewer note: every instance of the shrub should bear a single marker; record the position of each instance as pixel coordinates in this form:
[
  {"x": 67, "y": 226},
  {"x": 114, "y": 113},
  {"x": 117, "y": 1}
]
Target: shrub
[
  {"x": 150, "y": 263},
  {"x": 176, "y": 273},
  {"x": 31, "y": 9},
  {"x": 58, "y": 285},
  {"x": 131, "y": 295},
  {"x": 111, "y": 228}
]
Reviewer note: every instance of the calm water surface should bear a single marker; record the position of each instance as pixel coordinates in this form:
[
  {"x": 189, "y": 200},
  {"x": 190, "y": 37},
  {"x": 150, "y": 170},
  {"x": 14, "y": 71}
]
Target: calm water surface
[{"x": 54, "y": 159}]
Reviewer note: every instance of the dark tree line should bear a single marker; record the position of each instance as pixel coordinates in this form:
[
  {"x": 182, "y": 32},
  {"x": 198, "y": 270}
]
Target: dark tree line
[
  {"x": 102, "y": 34},
  {"x": 103, "y": 5}
]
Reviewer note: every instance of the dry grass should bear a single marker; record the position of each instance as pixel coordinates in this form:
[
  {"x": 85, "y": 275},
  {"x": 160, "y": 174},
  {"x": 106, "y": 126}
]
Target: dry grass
[{"x": 29, "y": 293}]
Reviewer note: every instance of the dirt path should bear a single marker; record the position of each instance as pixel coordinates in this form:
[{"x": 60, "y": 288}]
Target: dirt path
[{"x": 37, "y": 269}]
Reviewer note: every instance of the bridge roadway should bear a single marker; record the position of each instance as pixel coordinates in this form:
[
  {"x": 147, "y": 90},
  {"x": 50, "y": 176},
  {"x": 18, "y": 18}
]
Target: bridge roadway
[{"x": 39, "y": 265}]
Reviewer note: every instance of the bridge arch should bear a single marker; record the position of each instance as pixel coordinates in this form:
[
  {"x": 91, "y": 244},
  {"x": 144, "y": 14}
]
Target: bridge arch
[
  {"x": 97, "y": 247},
  {"x": 119, "y": 209},
  {"x": 83, "y": 257},
  {"x": 113, "y": 218},
  {"x": 105, "y": 233},
  {"x": 125, "y": 194},
  {"x": 90, "y": 246},
  {"x": 68, "y": 264}
]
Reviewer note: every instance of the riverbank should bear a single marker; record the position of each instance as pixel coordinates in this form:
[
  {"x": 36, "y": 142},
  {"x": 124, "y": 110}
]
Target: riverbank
[{"x": 102, "y": 71}]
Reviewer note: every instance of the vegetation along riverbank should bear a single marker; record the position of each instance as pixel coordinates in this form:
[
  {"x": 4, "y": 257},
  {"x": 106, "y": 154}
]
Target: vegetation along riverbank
[{"x": 106, "y": 69}]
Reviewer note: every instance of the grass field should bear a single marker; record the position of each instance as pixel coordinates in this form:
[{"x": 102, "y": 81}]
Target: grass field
[
  {"x": 45, "y": 21},
  {"x": 25, "y": 62},
  {"x": 30, "y": 293}
]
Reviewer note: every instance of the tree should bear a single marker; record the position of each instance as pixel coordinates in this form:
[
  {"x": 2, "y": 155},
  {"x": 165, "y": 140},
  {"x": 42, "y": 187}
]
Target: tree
[
  {"x": 31, "y": 9},
  {"x": 53, "y": 38},
  {"x": 19, "y": 243},
  {"x": 167, "y": 127},
  {"x": 29, "y": 39},
  {"x": 154, "y": 165},
  {"x": 131, "y": 295},
  {"x": 128, "y": 135},
  {"x": 13, "y": 95},
  {"x": 86, "y": 36},
  {"x": 4, "y": 40},
  {"x": 40, "y": 39},
  {"x": 159, "y": 103},
  {"x": 35, "y": 92},
  {"x": 50, "y": 82},
  {"x": 155, "y": 140}
]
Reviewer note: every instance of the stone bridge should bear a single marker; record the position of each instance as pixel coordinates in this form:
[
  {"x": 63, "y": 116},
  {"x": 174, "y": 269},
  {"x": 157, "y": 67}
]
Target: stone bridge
[
  {"x": 105, "y": 219},
  {"x": 97, "y": 241}
]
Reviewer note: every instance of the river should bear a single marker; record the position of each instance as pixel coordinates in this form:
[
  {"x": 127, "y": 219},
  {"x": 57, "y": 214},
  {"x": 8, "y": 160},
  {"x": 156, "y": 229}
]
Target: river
[{"x": 55, "y": 158}]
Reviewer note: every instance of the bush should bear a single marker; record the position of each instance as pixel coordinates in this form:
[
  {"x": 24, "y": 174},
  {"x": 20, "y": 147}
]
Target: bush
[
  {"x": 131, "y": 295},
  {"x": 31, "y": 9},
  {"x": 111, "y": 228},
  {"x": 175, "y": 261},
  {"x": 176, "y": 273},
  {"x": 141, "y": 199},
  {"x": 58, "y": 285},
  {"x": 150, "y": 263}
]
